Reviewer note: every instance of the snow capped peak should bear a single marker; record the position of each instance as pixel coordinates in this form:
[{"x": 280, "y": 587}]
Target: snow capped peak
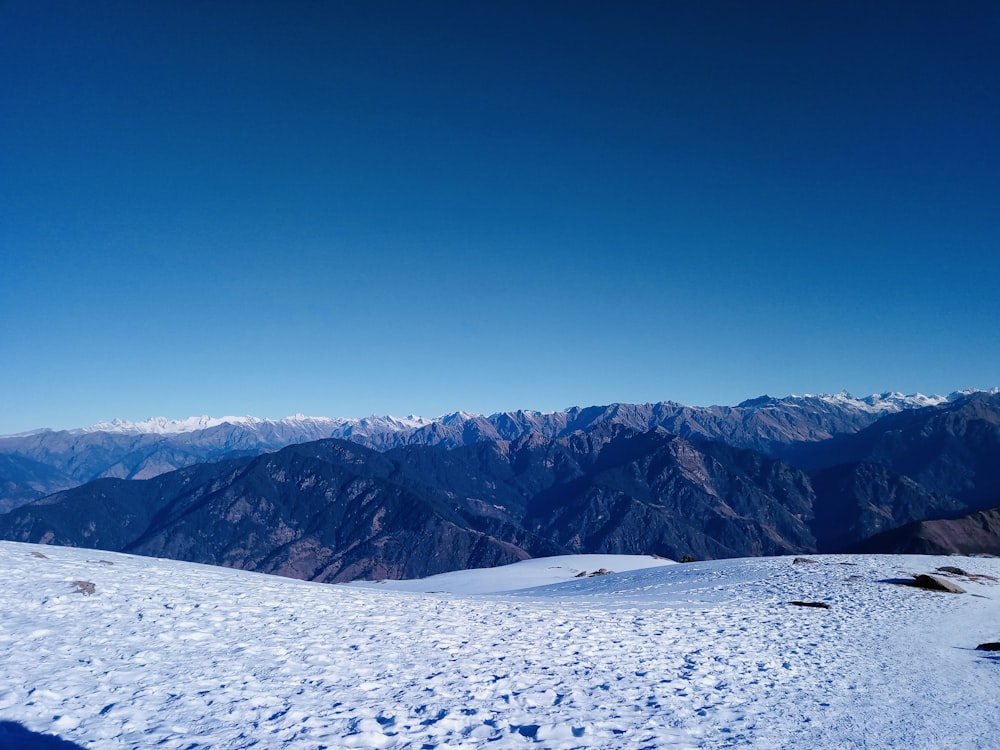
[
  {"x": 165, "y": 426},
  {"x": 162, "y": 425},
  {"x": 882, "y": 403},
  {"x": 458, "y": 416},
  {"x": 955, "y": 395},
  {"x": 389, "y": 422},
  {"x": 876, "y": 404},
  {"x": 411, "y": 421}
]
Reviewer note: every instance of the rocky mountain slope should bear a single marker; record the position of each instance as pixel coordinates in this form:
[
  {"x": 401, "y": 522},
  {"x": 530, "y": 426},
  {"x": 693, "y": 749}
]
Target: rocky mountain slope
[
  {"x": 47, "y": 461},
  {"x": 335, "y": 510},
  {"x": 977, "y": 533}
]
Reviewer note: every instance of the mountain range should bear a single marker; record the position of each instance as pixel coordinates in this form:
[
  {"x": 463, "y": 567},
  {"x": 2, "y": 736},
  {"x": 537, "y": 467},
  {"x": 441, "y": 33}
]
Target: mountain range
[
  {"x": 41, "y": 462},
  {"x": 408, "y": 498}
]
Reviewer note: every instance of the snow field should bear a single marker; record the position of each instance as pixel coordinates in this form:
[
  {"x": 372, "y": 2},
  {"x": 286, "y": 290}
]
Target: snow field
[{"x": 175, "y": 655}]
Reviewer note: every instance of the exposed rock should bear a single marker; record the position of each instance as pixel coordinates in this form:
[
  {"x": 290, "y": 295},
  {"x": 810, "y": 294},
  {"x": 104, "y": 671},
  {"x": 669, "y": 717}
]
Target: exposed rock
[
  {"x": 936, "y": 583},
  {"x": 804, "y": 560},
  {"x": 820, "y": 605},
  {"x": 953, "y": 570},
  {"x": 991, "y": 646},
  {"x": 85, "y": 587}
]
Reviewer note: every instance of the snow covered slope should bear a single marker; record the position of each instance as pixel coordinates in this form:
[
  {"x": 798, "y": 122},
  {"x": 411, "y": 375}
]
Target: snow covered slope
[
  {"x": 713, "y": 655},
  {"x": 539, "y": 571}
]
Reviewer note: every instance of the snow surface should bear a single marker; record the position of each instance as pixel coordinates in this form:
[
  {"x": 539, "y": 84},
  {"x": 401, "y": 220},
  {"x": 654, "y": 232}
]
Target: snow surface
[
  {"x": 710, "y": 654},
  {"x": 539, "y": 571},
  {"x": 165, "y": 426},
  {"x": 886, "y": 403},
  {"x": 894, "y": 401}
]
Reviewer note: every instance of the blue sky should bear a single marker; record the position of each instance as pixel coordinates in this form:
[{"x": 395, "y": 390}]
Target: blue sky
[{"x": 391, "y": 207}]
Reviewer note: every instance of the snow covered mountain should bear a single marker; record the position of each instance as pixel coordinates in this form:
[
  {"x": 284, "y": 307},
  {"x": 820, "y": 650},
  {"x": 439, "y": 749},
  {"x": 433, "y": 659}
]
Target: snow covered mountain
[
  {"x": 298, "y": 424},
  {"x": 880, "y": 403},
  {"x": 110, "y": 651}
]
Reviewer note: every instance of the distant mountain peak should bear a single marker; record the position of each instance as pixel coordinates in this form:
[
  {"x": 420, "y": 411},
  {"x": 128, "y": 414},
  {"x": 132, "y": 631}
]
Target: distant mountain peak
[
  {"x": 884, "y": 403},
  {"x": 758, "y": 402},
  {"x": 165, "y": 426},
  {"x": 876, "y": 404}
]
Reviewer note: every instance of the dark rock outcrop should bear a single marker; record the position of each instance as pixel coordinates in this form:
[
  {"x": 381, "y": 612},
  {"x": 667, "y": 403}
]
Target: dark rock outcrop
[{"x": 936, "y": 583}]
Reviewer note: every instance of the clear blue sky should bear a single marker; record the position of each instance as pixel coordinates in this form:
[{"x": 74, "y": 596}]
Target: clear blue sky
[{"x": 346, "y": 208}]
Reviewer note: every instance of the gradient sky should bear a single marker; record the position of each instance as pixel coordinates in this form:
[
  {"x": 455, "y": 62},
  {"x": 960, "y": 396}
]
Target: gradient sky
[{"x": 346, "y": 208}]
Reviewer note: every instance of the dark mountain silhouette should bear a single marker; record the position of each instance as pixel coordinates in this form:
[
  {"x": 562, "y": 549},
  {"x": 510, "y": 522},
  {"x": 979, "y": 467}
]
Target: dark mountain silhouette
[
  {"x": 858, "y": 500},
  {"x": 23, "y": 480},
  {"x": 975, "y": 534},
  {"x": 949, "y": 449}
]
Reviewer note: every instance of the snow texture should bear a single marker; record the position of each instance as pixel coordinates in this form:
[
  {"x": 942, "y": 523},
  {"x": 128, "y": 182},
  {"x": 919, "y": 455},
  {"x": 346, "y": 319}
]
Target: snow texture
[
  {"x": 539, "y": 571},
  {"x": 700, "y": 655}
]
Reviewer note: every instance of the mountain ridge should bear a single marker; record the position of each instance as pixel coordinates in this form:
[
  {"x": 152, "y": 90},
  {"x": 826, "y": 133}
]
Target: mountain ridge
[
  {"x": 45, "y": 461},
  {"x": 883, "y": 402},
  {"x": 335, "y": 510}
]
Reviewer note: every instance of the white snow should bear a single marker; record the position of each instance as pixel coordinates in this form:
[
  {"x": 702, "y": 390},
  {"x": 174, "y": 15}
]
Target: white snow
[
  {"x": 883, "y": 403},
  {"x": 539, "y": 571},
  {"x": 701, "y": 655},
  {"x": 164, "y": 426}
]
